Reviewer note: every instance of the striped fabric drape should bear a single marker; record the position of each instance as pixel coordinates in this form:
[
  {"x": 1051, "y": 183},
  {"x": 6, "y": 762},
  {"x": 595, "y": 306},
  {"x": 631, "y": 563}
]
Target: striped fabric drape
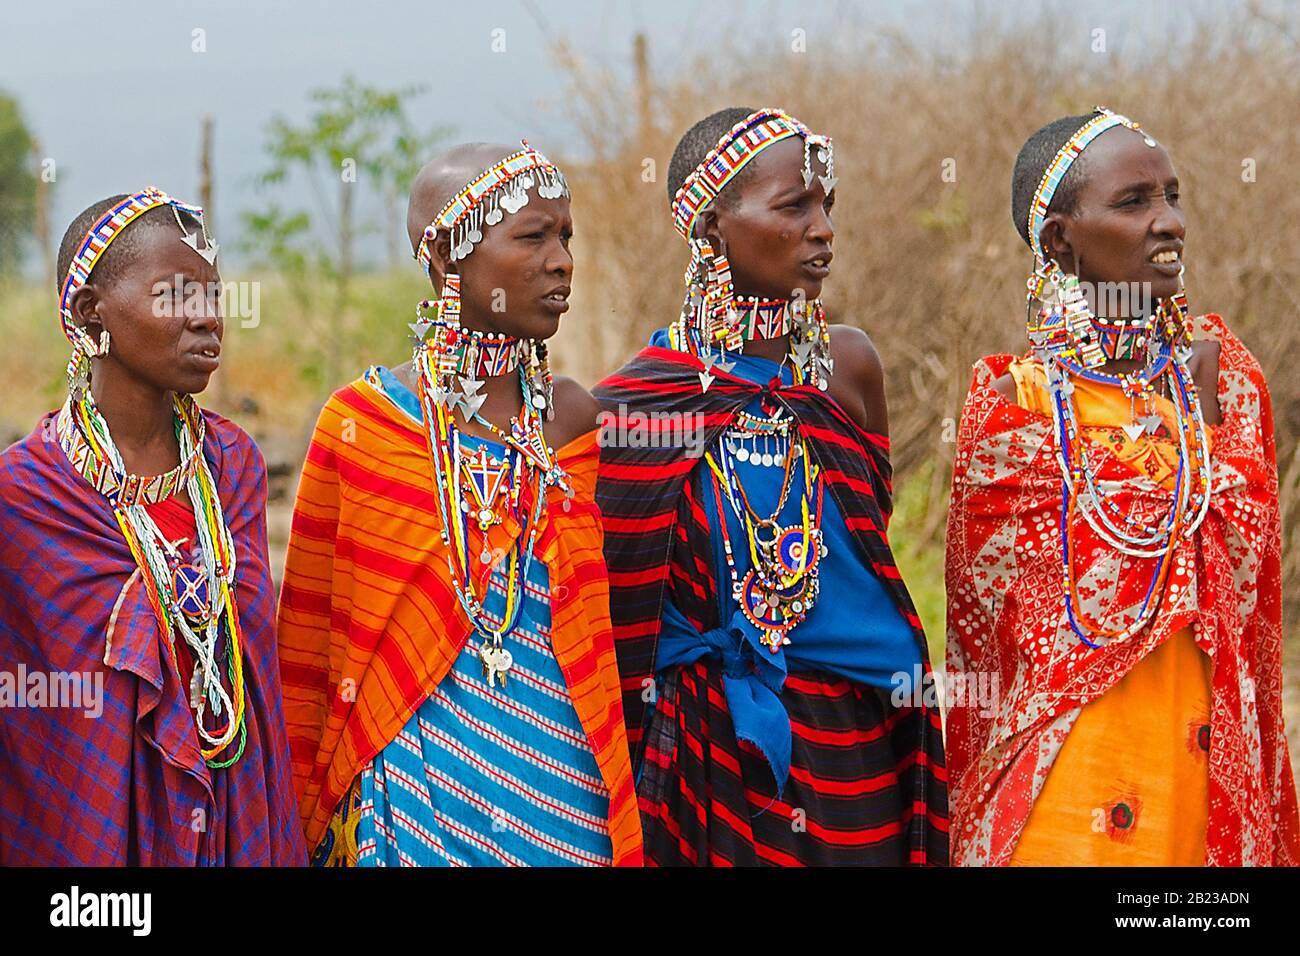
[
  {"x": 369, "y": 625},
  {"x": 656, "y": 547}
]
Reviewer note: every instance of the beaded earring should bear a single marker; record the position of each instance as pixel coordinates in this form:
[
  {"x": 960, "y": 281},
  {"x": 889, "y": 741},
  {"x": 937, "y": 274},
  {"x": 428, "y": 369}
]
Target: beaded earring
[
  {"x": 540, "y": 392},
  {"x": 810, "y": 342},
  {"x": 1063, "y": 321},
  {"x": 719, "y": 314}
]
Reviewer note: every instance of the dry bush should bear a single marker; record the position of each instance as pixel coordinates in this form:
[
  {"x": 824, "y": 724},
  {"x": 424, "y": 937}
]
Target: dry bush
[{"x": 935, "y": 270}]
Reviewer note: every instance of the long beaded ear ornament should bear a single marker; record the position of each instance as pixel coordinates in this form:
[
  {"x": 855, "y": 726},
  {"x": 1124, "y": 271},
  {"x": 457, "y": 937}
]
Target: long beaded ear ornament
[
  {"x": 540, "y": 383},
  {"x": 461, "y": 358}
]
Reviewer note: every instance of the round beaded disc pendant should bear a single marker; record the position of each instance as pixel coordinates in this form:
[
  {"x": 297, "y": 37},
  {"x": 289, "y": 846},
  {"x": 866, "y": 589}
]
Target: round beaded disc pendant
[
  {"x": 190, "y": 585},
  {"x": 796, "y": 554}
]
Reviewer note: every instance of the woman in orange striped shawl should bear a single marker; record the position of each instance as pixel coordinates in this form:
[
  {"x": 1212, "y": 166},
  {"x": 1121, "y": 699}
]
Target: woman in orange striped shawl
[
  {"x": 450, "y": 685},
  {"x": 1113, "y": 547}
]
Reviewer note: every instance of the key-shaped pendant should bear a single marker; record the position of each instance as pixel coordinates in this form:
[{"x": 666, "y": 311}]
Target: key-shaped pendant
[
  {"x": 496, "y": 662},
  {"x": 196, "y": 686}
]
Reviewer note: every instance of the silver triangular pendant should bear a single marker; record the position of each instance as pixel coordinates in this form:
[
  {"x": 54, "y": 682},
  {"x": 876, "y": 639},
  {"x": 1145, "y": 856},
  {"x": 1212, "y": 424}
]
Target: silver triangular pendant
[
  {"x": 208, "y": 252},
  {"x": 470, "y": 404}
]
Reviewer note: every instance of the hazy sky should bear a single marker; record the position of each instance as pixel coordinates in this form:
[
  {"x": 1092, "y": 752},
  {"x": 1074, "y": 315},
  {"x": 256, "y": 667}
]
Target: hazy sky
[{"x": 114, "y": 91}]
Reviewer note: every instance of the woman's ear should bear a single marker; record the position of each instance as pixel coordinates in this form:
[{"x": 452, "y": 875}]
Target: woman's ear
[
  {"x": 440, "y": 258},
  {"x": 708, "y": 227},
  {"x": 84, "y": 306},
  {"x": 1056, "y": 244}
]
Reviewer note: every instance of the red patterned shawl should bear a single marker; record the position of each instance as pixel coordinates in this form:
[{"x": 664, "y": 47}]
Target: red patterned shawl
[{"x": 1006, "y": 616}]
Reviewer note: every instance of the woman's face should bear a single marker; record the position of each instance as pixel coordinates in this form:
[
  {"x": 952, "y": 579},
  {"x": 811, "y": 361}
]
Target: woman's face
[
  {"x": 517, "y": 279},
  {"x": 775, "y": 231},
  {"x": 162, "y": 312},
  {"x": 1127, "y": 226}
]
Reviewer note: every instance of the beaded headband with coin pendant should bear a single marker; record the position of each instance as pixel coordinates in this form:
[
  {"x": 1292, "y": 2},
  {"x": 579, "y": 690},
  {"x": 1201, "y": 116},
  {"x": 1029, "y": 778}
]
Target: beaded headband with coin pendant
[
  {"x": 192, "y": 596},
  {"x": 1071, "y": 341},
  {"x": 712, "y": 314},
  {"x": 461, "y": 357},
  {"x": 1066, "y": 325},
  {"x": 120, "y": 489},
  {"x": 92, "y": 248}
]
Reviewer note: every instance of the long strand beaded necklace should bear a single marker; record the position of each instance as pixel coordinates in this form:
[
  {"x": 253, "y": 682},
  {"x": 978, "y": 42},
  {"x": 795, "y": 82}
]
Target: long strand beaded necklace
[
  {"x": 782, "y": 585},
  {"x": 193, "y": 600},
  {"x": 526, "y": 445},
  {"x": 1081, "y": 492}
]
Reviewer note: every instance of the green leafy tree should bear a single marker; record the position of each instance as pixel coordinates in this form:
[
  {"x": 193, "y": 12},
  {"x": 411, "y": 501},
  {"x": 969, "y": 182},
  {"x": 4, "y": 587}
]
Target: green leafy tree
[
  {"x": 355, "y": 136},
  {"x": 17, "y": 186}
]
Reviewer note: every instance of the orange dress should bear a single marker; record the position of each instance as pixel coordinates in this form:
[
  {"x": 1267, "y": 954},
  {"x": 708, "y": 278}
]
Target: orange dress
[{"x": 1130, "y": 784}]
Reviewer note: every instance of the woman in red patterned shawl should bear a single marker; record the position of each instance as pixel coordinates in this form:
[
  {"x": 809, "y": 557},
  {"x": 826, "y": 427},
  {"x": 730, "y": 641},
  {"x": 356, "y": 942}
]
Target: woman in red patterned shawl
[{"x": 1113, "y": 546}]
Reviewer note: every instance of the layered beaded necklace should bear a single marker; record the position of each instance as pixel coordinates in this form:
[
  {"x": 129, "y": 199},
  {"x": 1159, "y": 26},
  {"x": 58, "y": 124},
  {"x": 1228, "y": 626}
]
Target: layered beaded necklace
[
  {"x": 191, "y": 599},
  {"x": 1162, "y": 341},
  {"x": 468, "y": 485},
  {"x": 781, "y": 586}
]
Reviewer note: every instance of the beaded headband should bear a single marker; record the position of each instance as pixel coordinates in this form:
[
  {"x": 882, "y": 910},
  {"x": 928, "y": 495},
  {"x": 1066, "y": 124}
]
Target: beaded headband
[
  {"x": 745, "y": 140},
  {"x": 1061, "y": 163},
  {"x": 109, "y": 227},
  {"x": 502, "y": 186}
]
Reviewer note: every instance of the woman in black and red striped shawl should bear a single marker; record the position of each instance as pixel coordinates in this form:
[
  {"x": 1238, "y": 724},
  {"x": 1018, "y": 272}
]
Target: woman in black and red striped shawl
[{"x": 775, "y": 676}]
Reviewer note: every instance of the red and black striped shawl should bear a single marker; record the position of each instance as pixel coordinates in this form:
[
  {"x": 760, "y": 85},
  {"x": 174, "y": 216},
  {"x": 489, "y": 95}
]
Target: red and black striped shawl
[{"x": 655, "y": 525}]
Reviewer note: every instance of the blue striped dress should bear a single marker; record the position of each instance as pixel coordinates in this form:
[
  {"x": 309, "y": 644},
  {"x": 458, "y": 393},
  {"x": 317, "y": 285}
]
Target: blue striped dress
[{"x": 488, "y": 776}]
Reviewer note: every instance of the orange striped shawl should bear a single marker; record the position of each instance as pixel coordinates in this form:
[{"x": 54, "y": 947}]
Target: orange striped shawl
[{"x": 369, "y": 623}]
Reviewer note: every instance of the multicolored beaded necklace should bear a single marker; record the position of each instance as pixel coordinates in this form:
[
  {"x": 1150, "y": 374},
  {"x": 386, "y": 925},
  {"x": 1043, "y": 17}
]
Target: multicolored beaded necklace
[
  {"x": 782, "y": 585},
  {"x": 192, "y": 600},
  {"x": 530, "y": 462},
  {"x": 1164, "y": 341},
  {"x": 760, "y": 440},
  {"x": 742, "y": 319}
]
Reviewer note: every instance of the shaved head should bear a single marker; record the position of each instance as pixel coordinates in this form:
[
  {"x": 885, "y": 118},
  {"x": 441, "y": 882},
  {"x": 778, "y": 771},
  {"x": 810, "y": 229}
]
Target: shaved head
[{"x": 444, "y": 176}]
